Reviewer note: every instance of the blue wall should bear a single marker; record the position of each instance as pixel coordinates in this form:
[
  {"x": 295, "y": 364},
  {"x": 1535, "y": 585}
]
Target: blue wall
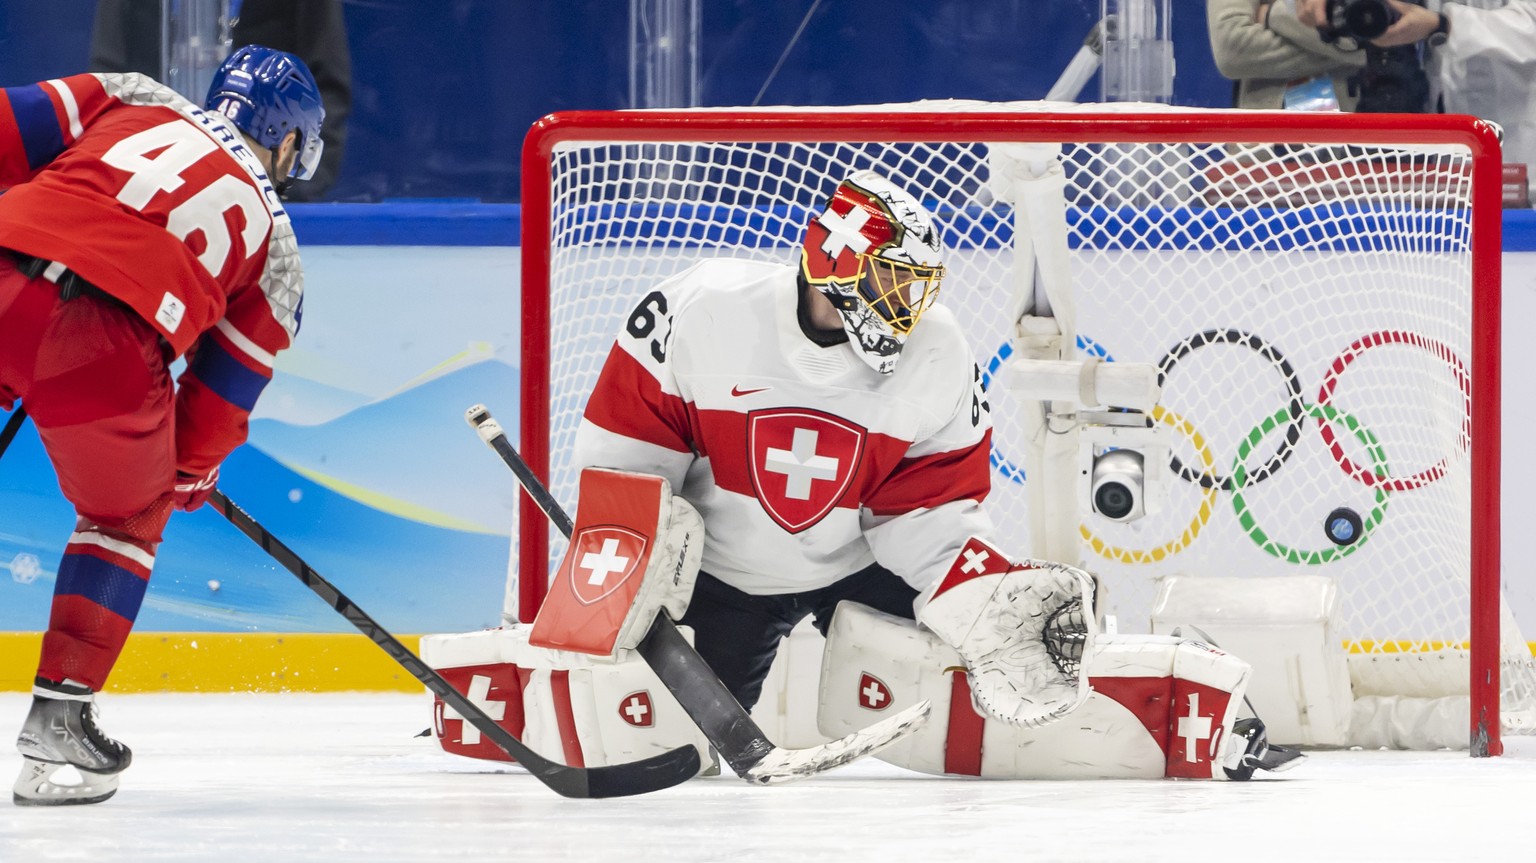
[{"x": 445, "y": 89}]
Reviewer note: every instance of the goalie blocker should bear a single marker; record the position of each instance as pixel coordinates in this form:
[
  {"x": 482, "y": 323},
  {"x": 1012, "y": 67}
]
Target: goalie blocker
[
  {"x": 1159, "y": 707},
  {"x": 571, "y": 685}
]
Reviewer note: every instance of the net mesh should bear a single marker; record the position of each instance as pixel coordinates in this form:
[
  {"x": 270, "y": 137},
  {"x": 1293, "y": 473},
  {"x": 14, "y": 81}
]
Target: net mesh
[{"x": 1308, "y": 307}]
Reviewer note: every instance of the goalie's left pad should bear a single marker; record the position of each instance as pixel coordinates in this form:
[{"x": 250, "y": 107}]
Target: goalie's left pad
[
  {"x": 574, "y": 709},
  {"x": 1161, "y": 706},
  {"x": 1022, "y": 629},
  {"x": 634, "y": 551}
]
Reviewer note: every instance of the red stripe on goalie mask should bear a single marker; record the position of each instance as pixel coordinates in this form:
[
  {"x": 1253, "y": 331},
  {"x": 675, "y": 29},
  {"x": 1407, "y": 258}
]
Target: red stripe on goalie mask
[{"x": 976, "y": 559}]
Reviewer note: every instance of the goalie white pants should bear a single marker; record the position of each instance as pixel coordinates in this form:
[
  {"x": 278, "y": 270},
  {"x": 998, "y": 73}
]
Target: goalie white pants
[{"x": 738, "y": 633}]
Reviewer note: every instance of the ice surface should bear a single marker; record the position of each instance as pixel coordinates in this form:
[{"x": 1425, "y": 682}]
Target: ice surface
[{"x": 342, "y": 778}]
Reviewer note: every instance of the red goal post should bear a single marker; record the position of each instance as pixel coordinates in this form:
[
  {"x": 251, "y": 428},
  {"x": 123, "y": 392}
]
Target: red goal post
[{"x": 554, "y": 211}]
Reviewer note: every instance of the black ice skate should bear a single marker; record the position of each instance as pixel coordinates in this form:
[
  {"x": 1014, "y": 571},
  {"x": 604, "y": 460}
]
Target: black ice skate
[
  {"x": 61, "y": 731},
  {"x": 1258, "y": 754}
]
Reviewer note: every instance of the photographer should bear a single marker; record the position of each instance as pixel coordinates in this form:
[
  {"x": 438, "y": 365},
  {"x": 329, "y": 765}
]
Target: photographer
[
  {"x": 1275, "y": 61},
  {"x": 1481, "y": 61}
]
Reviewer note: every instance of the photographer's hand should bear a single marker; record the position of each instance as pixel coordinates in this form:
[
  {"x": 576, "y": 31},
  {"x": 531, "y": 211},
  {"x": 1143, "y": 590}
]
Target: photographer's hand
[
  {"x": 1313, "y": 13},
  {"x": 1414, "y": 25}
]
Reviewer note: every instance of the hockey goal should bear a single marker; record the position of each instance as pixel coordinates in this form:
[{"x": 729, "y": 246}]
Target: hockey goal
[{"x": 1318, "y": 293}]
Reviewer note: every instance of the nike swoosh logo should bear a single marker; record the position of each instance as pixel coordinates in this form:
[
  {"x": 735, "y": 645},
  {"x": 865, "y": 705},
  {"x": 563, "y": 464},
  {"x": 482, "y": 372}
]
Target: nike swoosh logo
[{"x": 738, "y": 391}]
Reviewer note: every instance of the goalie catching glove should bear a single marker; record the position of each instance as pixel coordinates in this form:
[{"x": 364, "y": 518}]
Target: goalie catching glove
[{"x": 1022, "y": 629}]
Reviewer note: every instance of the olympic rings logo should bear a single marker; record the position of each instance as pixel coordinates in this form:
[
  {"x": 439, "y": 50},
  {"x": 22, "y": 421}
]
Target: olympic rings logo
[{"x": 1348, "y": 532}]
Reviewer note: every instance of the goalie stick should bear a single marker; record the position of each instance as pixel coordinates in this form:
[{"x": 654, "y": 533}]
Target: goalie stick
[
  {"x": 695, "y": 685},
  {"x": 618, "y": 780}
]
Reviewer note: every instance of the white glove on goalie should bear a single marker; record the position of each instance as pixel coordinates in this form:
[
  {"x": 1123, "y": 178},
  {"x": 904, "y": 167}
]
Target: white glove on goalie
[{"x": 1022, "y": 628}]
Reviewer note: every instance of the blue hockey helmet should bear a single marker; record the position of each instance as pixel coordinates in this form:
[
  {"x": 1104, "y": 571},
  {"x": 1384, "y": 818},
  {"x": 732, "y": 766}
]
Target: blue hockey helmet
[{"x": 267, "y": 93}]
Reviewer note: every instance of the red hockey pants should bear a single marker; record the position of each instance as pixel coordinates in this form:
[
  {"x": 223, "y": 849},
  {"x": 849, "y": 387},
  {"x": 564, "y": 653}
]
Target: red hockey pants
[{"x": 95, "y": 381}]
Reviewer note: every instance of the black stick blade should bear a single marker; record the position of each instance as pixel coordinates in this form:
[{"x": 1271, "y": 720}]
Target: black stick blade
[{"x": 617, "y": 780}]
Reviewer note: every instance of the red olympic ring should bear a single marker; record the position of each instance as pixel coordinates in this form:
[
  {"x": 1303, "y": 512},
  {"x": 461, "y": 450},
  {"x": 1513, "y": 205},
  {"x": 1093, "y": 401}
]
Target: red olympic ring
[{"x": 1330, "y": 380}]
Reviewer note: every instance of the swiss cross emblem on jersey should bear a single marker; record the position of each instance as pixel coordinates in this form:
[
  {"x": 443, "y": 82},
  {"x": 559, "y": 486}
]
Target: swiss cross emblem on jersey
[
  {"x": 602, "y": 558},
  {"x": 803, "y": 462},
  {"x": 637, "y": 709},
  {"x": 873, "y": 693}
]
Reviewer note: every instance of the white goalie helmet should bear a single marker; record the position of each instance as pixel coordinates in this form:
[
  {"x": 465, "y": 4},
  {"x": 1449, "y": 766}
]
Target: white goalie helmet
[{"x": 874, "y": 252}]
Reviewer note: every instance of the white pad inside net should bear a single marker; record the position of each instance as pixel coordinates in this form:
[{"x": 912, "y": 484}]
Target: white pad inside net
[{"x": 1310, "y": 307}]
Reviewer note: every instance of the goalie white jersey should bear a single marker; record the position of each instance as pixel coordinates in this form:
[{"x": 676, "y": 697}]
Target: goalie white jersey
[{"x": 806, "y": 464}]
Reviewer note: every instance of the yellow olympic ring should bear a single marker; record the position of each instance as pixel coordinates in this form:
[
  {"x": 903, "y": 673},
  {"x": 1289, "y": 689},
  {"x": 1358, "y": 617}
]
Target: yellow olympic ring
[{"x": 1207, "y": 503}]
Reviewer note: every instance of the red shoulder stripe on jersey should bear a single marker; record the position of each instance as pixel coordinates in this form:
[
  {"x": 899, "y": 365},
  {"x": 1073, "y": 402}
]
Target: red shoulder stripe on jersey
[
  {"x": 928, "y": 481},
  {"x": 629, "y": 401}
]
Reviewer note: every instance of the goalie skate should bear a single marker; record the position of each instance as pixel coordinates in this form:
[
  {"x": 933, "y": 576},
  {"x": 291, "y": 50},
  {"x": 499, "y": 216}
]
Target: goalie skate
[
  {"x": 61, "y": 732},
  {"x": 1258, "y": 753}
]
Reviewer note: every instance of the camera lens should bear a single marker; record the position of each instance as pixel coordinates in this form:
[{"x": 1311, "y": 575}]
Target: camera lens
[
  {"x": 1113, "y": 500},
  {"x": 1366, "y": 19}
]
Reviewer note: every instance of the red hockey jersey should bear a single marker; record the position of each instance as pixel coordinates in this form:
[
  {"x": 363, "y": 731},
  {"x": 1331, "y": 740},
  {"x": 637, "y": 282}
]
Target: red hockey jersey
[
  {"x": 162, "y": 205},
  {"x": 806, "y": 464}
]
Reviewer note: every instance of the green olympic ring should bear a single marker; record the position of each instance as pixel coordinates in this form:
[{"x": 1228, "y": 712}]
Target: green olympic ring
[{"x": 1240, "y": 477}]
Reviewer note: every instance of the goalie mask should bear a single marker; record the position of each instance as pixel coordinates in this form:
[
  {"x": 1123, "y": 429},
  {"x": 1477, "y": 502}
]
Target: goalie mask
[{"x": 875, "y": 253}]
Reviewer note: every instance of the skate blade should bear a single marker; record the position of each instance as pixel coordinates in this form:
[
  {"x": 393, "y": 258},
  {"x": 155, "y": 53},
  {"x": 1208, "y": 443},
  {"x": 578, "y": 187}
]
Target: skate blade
[{"x": 35, "y": 785}]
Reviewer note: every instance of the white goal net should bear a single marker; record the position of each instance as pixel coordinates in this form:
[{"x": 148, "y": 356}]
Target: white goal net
[{"x": 1319, "y": 297}]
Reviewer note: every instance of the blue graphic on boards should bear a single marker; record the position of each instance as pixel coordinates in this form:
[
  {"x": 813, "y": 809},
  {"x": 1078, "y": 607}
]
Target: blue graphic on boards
[{"x": 397, "y": 502}]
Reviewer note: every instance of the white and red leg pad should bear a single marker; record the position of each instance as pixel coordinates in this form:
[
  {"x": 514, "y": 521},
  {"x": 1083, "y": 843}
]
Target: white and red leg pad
[
  {"x": 1159, "y": 706},
  {"x": 634, "y": 551},
  {"x": 564, "y": 706}
]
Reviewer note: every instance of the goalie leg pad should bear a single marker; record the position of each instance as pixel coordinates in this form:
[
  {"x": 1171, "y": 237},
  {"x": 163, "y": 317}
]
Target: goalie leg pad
[
  {"x": 1140, "y": 722},
  {"x": 565, "y": 706},
  {"x": 634, "y": 552}
]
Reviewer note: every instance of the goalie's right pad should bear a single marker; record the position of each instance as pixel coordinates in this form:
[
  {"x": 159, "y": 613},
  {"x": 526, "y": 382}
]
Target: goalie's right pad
[
  {"x": 1021, "y": 628},
  {"x": 1160, "y": 707},
  {"x": 634, "y": 551}
]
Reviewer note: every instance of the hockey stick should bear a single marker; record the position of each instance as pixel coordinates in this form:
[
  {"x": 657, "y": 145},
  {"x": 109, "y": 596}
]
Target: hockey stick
[
  {"x": 12, "y": 426},
  {"x": 695, "y": 685},
  {"x": 618, "y": 780}
]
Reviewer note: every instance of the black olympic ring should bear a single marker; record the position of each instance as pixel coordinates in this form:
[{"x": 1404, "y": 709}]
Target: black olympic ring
[{"x": 1295, "y": 409}]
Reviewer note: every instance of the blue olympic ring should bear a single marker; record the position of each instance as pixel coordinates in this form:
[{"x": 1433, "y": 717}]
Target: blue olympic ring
[{"x": 1000, "y": 463}]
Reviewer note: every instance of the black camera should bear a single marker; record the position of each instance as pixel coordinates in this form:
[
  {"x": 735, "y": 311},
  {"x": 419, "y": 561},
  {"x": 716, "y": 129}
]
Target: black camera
[
  {"x": 1393, "y": 80},
  {"x": 1361, "y": 20}
]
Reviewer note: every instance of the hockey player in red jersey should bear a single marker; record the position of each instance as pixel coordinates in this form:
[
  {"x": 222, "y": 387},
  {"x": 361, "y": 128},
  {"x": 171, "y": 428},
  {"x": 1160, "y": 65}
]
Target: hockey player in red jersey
[
  {"x": 137, "y": 227},
  {"x": 829, "y": 423}
]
